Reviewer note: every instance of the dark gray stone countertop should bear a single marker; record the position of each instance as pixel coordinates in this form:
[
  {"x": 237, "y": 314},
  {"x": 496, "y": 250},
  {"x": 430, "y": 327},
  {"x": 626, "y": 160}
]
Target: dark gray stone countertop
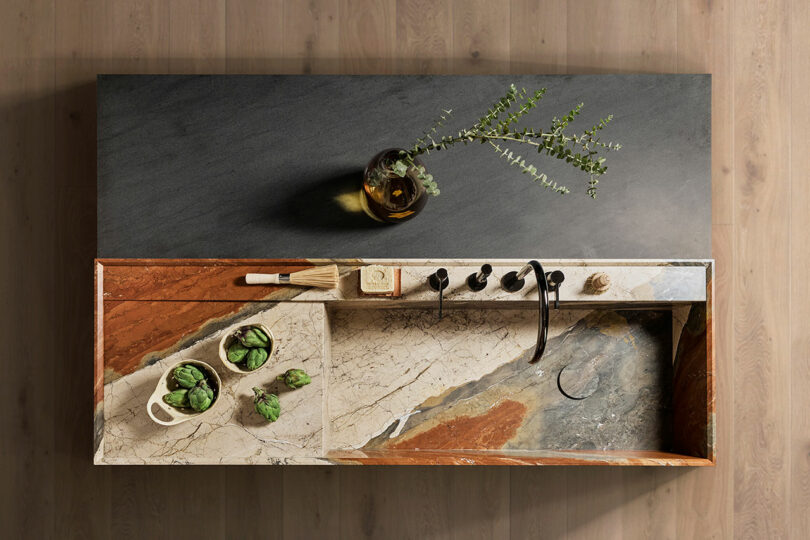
[{"x": 249, "y": 166}]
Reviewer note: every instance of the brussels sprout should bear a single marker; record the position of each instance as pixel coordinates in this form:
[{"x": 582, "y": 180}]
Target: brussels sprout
[
  {"x": 252, "y": 337},
  {"x": 266, "y": 404},
  {"x": 178, "y": 398},
  {"x": 237, "y": 352},
  {"x": 187, "y": 376},
  {"x": 201, "y": 396},
  {"x": 256, "y": 358},
  {"x": 295, "y": 378}
]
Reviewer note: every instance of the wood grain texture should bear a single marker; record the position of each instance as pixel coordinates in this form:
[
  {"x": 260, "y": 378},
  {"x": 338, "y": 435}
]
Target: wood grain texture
[
  {"x": 49, "y": 55},
  {"x": 28, "y": 204},
  {"x": 197, "y": 39},
  {"x": 617, "y": 37},
  {"x": 762, "y": 228},
  {"x": 481, "y": 30},
  {"x": 311, "y": 38},
  {"x": 313, "y": 494},
  {"x": 254, "y": 36},
  {"x": 367, "y": 36},
  {"x": 137, "y": 35},
  {"x": 537, "y": 36},
  {"x": 460, "y": 503},
  {"x": 799, "y": 445},
  {"x": 538, "y": 502},
  {"x": 424, "y": 36}
]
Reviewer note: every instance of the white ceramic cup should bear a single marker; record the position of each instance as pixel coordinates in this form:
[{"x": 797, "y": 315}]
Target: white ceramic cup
[
  {"x": 167, "y": 384},
  {"x": 229, "y": 338}
]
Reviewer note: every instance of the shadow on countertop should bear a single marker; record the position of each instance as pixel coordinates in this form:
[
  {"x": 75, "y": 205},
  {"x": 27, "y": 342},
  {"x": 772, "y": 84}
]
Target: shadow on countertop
[{"x": 327, "y": 203}]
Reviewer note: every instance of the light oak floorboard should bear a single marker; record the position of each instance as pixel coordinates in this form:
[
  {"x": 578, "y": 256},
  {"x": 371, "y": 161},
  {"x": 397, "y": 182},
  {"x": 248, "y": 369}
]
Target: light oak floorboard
[{"x": 762, "y": 302}]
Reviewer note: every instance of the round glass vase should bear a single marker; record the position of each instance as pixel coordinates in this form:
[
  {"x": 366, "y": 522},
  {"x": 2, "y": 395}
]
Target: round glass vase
[{"x": 388, "y": 197}]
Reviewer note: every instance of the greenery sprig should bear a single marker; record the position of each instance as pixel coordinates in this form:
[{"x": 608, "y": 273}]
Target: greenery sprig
[{"x": 499, "y": 126}]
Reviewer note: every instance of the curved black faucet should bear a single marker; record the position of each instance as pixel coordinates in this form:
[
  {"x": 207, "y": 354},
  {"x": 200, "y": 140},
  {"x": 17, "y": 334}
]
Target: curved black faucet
[{"x": 513, "y": 281}]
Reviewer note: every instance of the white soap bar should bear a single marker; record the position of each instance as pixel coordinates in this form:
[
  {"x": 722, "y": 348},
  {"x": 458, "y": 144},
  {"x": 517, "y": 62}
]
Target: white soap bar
[{"x": 377, "y": 279}]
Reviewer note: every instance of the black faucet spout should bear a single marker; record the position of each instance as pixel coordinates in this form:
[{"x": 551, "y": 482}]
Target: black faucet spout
[{"x": 438, "y": 281}]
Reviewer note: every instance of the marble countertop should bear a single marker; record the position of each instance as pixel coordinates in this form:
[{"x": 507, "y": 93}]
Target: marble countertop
[{"x": 389, "y": 379}]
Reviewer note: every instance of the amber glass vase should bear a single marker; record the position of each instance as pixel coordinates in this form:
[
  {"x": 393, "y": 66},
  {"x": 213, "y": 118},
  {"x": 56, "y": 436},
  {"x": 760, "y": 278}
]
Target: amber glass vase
[{"x": 388, "y": 197}]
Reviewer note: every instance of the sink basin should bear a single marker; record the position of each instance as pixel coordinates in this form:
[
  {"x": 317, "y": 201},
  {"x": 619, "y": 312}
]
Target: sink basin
[
  {"x": 464, "y": 382},
  {"x": 626, "y": 379}
]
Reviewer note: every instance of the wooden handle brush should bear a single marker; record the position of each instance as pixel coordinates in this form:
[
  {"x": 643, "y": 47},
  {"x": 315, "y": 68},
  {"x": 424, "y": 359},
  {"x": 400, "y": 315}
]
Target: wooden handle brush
[{"x": 325, "y": 277}]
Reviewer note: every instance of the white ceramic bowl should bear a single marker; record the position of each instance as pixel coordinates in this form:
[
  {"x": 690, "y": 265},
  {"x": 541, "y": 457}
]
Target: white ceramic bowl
[
  {"x": 229, "y": 338},
  {"x": 167, "y": 384}
]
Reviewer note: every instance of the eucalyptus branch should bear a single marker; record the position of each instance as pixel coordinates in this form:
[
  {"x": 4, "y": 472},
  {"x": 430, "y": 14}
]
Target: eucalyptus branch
[{"x": 500, "y": 124}]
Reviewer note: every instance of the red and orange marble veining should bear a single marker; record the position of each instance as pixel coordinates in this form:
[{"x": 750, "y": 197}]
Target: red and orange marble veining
[
  {"x": 147, "y": 306},
  {"x": 133, "y": 330},
  {"x": 192, "y": 280},
  {"x": 471, "y": 457},
  {"x": 489, "y": 430}
]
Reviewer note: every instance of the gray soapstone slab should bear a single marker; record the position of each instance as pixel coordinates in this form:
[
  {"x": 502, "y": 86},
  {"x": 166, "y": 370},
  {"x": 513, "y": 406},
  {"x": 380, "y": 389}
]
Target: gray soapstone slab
[{"x": 250, "y": 166}]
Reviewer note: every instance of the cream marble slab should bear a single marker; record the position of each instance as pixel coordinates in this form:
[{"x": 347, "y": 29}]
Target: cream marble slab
[
  {"x": 233, "y": 433},
  {"x": 385, "y": 362}
]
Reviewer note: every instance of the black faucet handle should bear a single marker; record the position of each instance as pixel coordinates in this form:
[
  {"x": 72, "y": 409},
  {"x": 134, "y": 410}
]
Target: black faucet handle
[
  {"x": 514, "y": 281},
  {"x": 439, "y": 279},
  {"x": 554, "y": 280},
  {"x": 477, "y": 281}
]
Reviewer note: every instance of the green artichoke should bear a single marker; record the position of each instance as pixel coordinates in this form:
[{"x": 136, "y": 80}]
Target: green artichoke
[
  {"x": 252, "y": 337},
  {"x": 237, "y": 352},
  {"x": 187, "y": 376},
  {"x": 295, "y": 378},
  {"x": 201, "y": 396},
  {"x": 256, "y": 358},
  {"x": 178, "y": 398},
  {"x": 266, "y": 404}
]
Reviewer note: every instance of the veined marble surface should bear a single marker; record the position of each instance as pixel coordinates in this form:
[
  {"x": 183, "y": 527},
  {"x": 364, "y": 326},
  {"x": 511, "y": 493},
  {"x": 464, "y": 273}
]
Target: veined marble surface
[
  {"x": 518, "y": 406},
  {"x": 233, "y": 433},
  {"x": 391, "y": 379},
  {"x": 385, "y": 362}
]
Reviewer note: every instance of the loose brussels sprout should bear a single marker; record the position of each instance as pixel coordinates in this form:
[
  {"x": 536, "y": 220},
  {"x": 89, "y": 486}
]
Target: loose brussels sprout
[
  {"x": 295, "y": 378},
  {"x": 266, "y": 404}
]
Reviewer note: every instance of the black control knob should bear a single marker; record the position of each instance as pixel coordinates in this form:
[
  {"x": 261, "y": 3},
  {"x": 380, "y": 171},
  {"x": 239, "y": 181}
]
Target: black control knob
[
  {"x": 439, "y": 280},
  {"x": 478, "y": 281}
]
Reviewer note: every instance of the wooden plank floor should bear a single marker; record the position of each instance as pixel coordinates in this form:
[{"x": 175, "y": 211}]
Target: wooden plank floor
[{"x": 758, "y": 52}]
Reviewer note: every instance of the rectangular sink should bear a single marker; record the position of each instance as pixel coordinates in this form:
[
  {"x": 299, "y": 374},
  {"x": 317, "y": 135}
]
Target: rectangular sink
[
  {"x": 464, "y": 383},
  {"x": 626, "y": 378}
]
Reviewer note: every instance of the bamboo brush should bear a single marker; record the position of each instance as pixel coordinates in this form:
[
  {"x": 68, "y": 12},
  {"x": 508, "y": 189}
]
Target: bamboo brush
[{"x": 325, "y": 277}]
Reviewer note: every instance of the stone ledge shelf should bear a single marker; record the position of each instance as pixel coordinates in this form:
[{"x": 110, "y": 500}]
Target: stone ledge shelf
[{"x": 400, "y": 386}]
